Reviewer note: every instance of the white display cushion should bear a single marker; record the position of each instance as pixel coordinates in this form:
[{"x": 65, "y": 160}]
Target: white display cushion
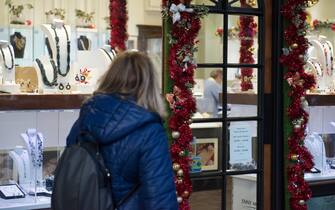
[
  {"x": 29, "y": 202},
  {"x": 12, "y": 88}
]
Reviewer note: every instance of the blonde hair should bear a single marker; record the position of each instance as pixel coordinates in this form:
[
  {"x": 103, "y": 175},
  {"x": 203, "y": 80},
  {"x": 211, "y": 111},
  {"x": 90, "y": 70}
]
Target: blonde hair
[{"x": 132, "y": 74}]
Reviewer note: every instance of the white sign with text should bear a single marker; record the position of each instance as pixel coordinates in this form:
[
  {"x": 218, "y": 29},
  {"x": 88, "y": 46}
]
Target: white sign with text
[{"x": 240, "y": 144}]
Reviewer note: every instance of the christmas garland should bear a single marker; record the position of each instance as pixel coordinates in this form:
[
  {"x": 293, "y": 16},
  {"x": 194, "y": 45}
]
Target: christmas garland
[
  {"x": 248, "y": 30},
  {"x": 118, "y": 23},
  {"x": 327, "y": 24},
  {"x": 183, "y": 24},
  {"x": 298, "y": 82}
]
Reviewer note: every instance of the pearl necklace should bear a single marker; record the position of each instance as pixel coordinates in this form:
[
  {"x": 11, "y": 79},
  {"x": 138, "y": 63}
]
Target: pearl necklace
[
  {"x": 43, "y": 73},
  {"x": 4, "y": 58},
  {"x": 58, "y": 50}
]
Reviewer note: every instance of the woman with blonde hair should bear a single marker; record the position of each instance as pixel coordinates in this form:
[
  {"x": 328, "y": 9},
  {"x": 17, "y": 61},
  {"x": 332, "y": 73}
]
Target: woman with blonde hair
[{"x": 124, "y": 115}]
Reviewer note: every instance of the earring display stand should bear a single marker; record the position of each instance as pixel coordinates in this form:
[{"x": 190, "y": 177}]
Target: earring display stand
[{"x": 7, "y": 67}]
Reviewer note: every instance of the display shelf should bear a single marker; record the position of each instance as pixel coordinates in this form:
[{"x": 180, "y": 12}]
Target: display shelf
[
  {"x": 28, "y": 202},
  {"x": 37, "y": 102},
  {"x": 321, "y": 99}
]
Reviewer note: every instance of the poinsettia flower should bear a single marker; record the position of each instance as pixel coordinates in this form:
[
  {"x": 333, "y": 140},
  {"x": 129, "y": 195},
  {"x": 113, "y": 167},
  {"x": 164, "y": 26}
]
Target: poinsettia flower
[
  {"x": 219, "y": 31},
  {"x": 333, "y": 26},
  {"x": 315, "y": 23}
]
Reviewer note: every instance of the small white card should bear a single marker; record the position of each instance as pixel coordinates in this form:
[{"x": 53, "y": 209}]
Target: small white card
[{"x": 240, "y": 144}]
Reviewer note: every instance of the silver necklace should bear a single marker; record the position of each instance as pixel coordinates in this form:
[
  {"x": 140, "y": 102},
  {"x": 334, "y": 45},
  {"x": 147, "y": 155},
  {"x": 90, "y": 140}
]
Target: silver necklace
[{"x": 36, "y": 150}]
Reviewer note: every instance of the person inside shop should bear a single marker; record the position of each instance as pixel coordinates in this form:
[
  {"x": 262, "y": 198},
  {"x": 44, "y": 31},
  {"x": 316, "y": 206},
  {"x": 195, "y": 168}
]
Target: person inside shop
[
  {"x": 125, "y": 116},
  {"x": 212, "y": 90}
]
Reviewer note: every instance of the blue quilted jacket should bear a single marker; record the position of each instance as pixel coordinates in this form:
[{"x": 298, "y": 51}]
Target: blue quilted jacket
[{"x": 135, "y": 150}]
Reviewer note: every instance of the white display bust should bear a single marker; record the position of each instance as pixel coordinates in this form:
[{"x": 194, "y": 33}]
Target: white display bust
[
  {"x": 64, "y": 35},
  {"x": 7, "y": 68}
]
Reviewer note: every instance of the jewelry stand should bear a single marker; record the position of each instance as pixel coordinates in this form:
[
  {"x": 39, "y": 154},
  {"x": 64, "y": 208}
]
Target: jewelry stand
[
  {"x": 21, "y": 164},
  {"x": 314, "y": 143},
  {"x": 64, "y": 34},
  {"x": 48, "y": 69},
  {"x": 34, "y": 142},
  {"x": 7, "y": 64}
]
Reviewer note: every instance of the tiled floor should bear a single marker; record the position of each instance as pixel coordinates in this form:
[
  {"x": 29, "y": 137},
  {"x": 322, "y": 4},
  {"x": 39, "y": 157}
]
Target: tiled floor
[{"x": 206, "y": 200}]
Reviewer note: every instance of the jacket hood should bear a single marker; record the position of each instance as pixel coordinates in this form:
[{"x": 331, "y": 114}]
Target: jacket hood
[{"x": 109, "y": 118}]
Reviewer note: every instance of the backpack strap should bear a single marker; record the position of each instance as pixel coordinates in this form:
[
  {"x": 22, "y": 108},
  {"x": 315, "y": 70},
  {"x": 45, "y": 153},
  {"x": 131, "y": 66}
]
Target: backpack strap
[{"x": 128, "y": 195}]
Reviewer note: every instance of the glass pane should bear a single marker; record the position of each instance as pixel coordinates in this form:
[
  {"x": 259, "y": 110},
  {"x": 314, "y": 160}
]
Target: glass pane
[
  {"x": 243, "y": 3},
  {"x": 6, "y": 166},
  {"x": 242, "y": 146},
  {"x": 207, "y": 92},
  {"x": 242, "y": 95},
  {"x": 324, "y": 203},
  {"x": 206, "y": 2},
  {"x": 243, "y": 39},
  {"x": 206, "y": 147},
  {"x": 242, "y": 192},
  {"x": 209, "y": 199},
  {"x": 210, "y": 49}
]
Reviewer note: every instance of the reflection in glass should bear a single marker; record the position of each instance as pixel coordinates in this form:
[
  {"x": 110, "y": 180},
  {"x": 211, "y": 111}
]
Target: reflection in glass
[
  {"x": 243, "y": 40},
  {"x": 207, "y": 91},
  {"x": 210, "y": 49},
  {"x": 242, "y": 142},
  {"x": 241, "y": 103}
]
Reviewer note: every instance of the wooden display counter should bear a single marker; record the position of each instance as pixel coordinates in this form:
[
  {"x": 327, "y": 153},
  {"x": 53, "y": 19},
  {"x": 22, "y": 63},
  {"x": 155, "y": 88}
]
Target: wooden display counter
[{"x": 40, "y": 102}]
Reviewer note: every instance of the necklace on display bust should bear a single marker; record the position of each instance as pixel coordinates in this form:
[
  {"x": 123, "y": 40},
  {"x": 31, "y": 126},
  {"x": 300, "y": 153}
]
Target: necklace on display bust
[
  {"x": 36, "y": 149},
  {"x": 68, "y": 46},
  {"x": 4, "y": 58},
  {"x": 84, "y": 43},
  {"x": 107, "y": 53},
  {"x": 328, "y": 58},
  {"x": 45, "y": 79},
  {"x": 330, "y": 47}
]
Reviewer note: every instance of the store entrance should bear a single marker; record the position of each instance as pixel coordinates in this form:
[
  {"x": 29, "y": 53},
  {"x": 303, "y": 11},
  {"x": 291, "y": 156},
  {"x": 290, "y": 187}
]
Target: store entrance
[{"x": 229, "y": 131}]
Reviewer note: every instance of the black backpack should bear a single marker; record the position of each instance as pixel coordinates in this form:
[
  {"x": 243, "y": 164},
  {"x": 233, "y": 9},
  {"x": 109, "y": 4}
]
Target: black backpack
[{"x": 82, "y": 182}]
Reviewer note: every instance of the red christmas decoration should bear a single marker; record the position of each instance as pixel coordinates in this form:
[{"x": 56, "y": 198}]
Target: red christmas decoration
[
  {"x": 248, "y": 29},
  {"x": 182, "y": 37},
  {"x": 299, "y": 82},
  {"x": 118, "y": 24}
]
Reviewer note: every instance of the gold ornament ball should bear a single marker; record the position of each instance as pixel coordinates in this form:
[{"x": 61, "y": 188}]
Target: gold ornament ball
[
  {"x": 302, "y": 202},
  {"x": 176, "y": 166},
  {"x": 182, "y": 154},
  {"x": 294, "y": 46},
  {"x": 294, "y": 157},
  {"x": 175, "y": 134},
  {"x": 180, "y": 199},
  {"x": 186, "y": 194},
  {"x": 180, "y": 173}
]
